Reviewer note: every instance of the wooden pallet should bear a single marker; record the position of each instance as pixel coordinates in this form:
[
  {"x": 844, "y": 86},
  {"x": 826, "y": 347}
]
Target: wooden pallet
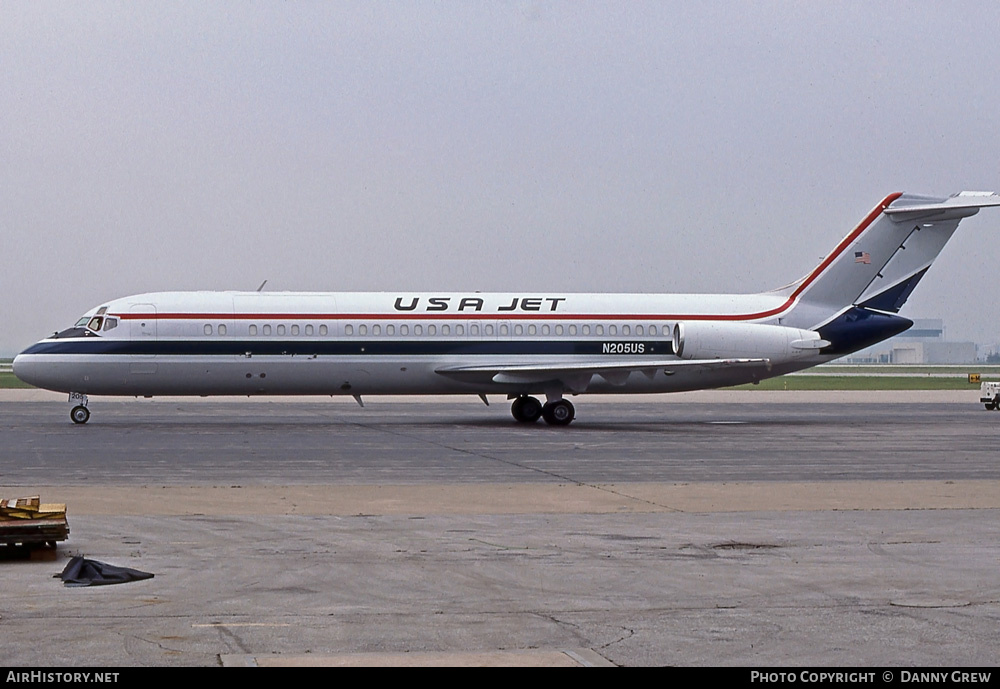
[{"x": 29, "y": 522}]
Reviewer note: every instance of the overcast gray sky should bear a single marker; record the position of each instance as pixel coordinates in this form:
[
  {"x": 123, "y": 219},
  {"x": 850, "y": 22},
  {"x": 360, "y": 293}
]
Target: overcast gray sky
[{"x": 536, "y": 146}]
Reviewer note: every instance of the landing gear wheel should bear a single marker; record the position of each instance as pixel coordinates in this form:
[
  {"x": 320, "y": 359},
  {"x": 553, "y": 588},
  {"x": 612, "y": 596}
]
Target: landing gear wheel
[
  {"x": 526, "y": 409},
  {"x": 990, "y": 406},
  {"x": 79, "y": 414},
  {"x": 558, "y": 413}
]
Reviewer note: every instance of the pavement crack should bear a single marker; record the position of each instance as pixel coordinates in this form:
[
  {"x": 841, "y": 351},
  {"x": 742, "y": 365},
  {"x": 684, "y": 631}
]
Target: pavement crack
[
  {"x": 231, "y": 636},
  {"x": 625, "y": 635}
]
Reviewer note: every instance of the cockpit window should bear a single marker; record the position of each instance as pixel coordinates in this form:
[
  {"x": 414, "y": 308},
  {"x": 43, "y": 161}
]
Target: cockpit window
[
  {"x": 72, "y": 332},
  {"x": 89, "y": 326}
]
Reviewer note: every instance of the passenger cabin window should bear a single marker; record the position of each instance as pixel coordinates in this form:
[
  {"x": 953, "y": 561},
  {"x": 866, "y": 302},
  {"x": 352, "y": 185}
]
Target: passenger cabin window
[
  {"x": 323, "y": 330},
  {"x": 267, "y": 329},
  {"x": 281, "y": 329},
  {"x": 404, "y": 330},
  {"x": 222, "y": 329},
  {"x": 253, "y": 329},
  {"x": 348, "y": 330},
  {"x": 309, "y": 329},
  {"x": 208, "y": 329},
  {"x": 295, "y": 330},
  {"x": 376, "y": 330}
]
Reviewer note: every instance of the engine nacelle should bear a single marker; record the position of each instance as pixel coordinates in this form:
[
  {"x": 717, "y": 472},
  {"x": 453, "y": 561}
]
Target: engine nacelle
[{"x": 725, "y": 340}]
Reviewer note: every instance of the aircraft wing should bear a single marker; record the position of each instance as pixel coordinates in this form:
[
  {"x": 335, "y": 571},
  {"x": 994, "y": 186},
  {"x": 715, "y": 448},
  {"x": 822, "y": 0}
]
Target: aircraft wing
[{"x": 578, "y": 374}]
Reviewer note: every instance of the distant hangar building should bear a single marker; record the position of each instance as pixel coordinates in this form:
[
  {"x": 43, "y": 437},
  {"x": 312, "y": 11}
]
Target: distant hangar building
[{"x": 924, "y": 343}]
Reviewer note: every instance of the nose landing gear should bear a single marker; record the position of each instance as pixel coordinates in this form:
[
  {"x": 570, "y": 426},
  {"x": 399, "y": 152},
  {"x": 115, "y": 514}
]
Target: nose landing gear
[{"x": 79, "y": 414}]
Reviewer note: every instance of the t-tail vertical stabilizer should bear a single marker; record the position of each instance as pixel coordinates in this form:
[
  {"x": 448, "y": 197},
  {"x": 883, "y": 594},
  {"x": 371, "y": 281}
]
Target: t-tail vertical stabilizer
[{"x": 853, "y": 296}]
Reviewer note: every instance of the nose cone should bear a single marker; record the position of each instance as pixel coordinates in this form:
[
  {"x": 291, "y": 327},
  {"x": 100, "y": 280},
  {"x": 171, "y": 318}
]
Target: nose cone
[
  {"x": 32, "y": 369},
  {"x": 22, "y": 368}
]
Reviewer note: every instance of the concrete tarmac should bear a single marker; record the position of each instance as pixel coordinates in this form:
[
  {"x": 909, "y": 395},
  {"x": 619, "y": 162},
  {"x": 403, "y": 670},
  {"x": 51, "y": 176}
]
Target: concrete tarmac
[{"x": 747, "y": 529}]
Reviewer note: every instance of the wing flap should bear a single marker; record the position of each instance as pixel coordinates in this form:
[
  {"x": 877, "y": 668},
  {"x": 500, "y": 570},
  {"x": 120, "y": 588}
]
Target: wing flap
[{"x": 577, "y": 375}]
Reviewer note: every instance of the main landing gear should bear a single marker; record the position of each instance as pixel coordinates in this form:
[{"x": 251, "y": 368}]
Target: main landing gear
[{"x": 557, "y": 412}]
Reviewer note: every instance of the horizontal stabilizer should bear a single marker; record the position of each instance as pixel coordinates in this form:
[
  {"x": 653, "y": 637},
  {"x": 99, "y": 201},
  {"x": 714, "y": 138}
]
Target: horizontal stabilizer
[{"x": 960, "y": 205}]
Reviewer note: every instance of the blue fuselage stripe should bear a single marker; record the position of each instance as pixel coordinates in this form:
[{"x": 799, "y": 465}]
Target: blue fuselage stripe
[{"x": 350, "y": 347}]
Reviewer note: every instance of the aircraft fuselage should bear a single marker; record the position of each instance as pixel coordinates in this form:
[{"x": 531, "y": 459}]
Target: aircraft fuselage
[{"x": 248, "y": 343}]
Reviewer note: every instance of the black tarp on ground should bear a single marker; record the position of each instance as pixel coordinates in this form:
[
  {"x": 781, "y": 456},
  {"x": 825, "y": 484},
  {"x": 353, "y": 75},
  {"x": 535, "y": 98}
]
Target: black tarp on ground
[{"x": 83, "y": 572}]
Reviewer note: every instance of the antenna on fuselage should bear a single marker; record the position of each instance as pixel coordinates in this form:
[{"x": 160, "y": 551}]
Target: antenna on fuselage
[{"x": 262, "y": 285}]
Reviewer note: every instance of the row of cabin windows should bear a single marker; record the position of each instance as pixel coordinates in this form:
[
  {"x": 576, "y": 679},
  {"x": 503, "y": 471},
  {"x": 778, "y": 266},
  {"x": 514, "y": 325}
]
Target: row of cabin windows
[
  {"x": 504, "y": 329},
  {"x": 488, "y": 329},
  {"x": 279, "y": 329}
]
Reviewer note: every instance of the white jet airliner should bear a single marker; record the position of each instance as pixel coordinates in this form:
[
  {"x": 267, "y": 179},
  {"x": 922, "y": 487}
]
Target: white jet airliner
[{"x": 519, "y": 344}]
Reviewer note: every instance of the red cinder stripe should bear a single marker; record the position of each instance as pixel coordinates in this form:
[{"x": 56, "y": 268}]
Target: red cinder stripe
[
  {"x": 869, "y": 219},
  {"x": 442, "y": 316}
]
